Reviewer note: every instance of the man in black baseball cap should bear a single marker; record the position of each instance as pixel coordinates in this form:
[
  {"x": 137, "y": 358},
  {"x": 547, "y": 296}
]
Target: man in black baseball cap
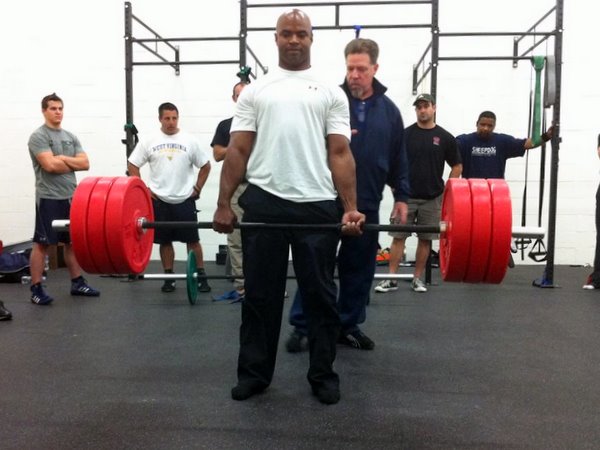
[
  {"x": 429, "y": 148},
  {"x": 424, "y": 98}
]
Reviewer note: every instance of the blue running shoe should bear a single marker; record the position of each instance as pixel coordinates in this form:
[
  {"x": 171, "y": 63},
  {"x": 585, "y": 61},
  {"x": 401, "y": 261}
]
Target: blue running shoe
[
  {"x": 39, "y": 296},
  {"x": 80, "y": 287},
  {"x": 233, "y": 296}
]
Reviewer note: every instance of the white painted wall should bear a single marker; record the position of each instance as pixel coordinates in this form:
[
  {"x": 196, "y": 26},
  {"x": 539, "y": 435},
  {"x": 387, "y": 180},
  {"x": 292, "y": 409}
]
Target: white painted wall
[{"x": 76, "y": 49}]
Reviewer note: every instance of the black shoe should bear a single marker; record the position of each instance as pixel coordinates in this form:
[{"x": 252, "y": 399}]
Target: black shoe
[
  {"x": 80, "y": 287},
  {"x": 245, "y": 391},
  {"x": 39, "y": 296},
  {"x": 203, "y": 285},
  {"x": 356, "y": 339},
  {"x": 168, "y": 286},
  {"x": 327, "y": 395},
  {"x": 297, "y": 342},
  {"x": 5, "y": 314}
]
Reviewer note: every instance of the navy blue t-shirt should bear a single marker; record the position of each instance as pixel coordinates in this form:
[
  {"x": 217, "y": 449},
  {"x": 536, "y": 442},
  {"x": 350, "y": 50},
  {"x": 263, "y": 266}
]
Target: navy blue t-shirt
[{"x": 487, "y": 158}]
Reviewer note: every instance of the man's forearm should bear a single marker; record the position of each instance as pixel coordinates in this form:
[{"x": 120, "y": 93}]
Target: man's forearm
[
  {"x": 202, "y": 177},
  {"x": 455, "y": 171},
  {"x": 58, "y": 166},
  {"x": 232, "y": 174},
  {"x": 343, "y": 171},
  {"x": 76, "y": 163}
]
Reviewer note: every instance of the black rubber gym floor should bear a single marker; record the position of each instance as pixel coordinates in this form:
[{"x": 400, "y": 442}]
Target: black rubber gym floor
[{"x": 462, "y": 366}]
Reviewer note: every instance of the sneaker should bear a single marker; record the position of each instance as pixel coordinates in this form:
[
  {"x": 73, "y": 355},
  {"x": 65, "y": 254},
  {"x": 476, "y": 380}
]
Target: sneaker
[
  {"x": 5, "y": 314},
  {"x": 80, "y": 287},
  {"x": 356, "y": 339},
  {"x": 39, "y": 296},
  {"x": 203, "y": 285},
  {"x": 590, "y": 283},
  {"x": 418, "y": 286},
  {"x": 168, "y": 286},
  {"x": 387, "y": 286},
  {"x": 297, "y": 342}
]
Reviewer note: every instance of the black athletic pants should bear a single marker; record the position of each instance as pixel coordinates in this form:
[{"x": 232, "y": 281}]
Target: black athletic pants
[{"x": 265, "y": 270}]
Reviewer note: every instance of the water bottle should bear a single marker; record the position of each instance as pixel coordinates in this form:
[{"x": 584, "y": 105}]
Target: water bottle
[{"x": 26, "y": 279}]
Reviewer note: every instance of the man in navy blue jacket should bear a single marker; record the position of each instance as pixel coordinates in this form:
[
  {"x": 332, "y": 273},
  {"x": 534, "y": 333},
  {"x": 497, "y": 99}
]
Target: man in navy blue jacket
[{"x": 378, "y": 148}]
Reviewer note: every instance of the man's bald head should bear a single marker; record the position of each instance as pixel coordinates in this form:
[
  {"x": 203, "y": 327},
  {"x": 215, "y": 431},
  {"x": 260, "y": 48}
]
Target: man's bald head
[
  {"x": 294, "y": 38},
  {"x": 295, "y": 15}
]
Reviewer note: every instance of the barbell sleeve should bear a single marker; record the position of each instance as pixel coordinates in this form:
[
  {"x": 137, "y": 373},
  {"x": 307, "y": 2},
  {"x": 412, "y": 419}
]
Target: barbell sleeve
[
  {"x": 165, "y": 276},
  {"x": 528, "y": 232},
  {"x": 61, "y": 225}
]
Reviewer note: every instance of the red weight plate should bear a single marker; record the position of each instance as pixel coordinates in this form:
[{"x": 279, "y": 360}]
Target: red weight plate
[
  {"x": 78, "y": 224},
  {"x": 481, "y": 230},
  {"x": 455, "y": 241},
  {"x": 130, "y": 247},
  {"x": 501, "y": 231},
  {"x": 97, "y": 211}
]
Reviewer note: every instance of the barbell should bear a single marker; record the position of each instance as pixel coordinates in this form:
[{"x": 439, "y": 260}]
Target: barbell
[{"x": 111, "y": 226}]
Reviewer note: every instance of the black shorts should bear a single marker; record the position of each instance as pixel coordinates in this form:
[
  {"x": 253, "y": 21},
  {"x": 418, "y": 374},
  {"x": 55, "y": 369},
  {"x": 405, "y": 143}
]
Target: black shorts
[
  {"x": 47, "y": 210},
  {"x": 180, "y": 212}
]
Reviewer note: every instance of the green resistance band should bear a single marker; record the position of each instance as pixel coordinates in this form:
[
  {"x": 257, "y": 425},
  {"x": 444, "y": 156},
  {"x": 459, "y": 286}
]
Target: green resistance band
[{"x": 536, "y": 136}]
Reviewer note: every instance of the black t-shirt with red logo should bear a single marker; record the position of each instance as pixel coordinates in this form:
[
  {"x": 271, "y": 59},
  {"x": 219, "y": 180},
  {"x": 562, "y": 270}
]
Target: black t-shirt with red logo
[{"x": 427, "y": 151}]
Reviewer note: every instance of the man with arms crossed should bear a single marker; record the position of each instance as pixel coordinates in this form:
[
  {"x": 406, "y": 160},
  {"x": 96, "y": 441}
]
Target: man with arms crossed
[{"x": 56, "y": 155}]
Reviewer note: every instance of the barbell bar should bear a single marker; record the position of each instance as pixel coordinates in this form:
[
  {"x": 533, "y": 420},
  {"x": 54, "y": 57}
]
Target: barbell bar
[
  {"x": 144, "y": 224},
  {"x": 112, "y": 228}
]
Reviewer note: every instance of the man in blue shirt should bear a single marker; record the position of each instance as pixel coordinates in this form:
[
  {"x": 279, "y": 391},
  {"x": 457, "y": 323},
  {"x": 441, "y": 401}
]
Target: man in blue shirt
[
  {"x": 379, "y": 151},
  {"x": 484, "y": 153}
]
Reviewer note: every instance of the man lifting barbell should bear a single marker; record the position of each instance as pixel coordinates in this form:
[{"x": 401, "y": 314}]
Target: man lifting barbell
[{"x": 289, "y": 137}]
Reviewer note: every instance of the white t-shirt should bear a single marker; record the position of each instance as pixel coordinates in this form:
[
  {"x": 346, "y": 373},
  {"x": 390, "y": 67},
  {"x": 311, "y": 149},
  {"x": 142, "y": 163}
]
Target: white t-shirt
[
  {"x": 292, "y": 114},
  {"x": 172, "y": 160}
]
